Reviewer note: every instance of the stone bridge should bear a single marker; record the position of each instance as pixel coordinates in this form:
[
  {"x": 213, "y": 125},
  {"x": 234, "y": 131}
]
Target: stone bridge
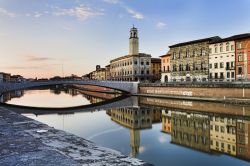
[{"x": 128, "y": 87}]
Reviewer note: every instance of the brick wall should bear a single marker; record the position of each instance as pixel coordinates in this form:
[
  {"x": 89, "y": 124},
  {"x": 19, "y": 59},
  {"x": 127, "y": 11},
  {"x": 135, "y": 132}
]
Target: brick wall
[{"x": 216, "y": 92}]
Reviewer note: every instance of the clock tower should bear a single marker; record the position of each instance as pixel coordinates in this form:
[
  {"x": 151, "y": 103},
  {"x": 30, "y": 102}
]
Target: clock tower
[{"x": 133, "y": 42}]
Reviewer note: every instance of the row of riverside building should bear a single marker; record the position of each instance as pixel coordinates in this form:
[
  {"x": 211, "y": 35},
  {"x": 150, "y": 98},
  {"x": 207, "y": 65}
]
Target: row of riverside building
[{"x": 208, "y": 59}]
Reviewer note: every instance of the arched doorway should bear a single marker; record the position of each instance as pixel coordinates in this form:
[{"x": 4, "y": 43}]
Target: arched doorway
[{"x": 166, "y": 78}]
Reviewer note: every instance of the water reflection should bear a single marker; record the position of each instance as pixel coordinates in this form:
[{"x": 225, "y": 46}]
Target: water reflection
[
  {"x": 159, "y": 131},
  {"x": 135, "y": 119}
]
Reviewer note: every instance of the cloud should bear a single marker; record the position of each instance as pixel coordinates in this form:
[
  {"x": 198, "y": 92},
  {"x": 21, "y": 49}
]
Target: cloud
[
  {"x": 134, "y": 13},
  {"x": 67, "y": 28},
  {"x": 36, "y": 58},
  {"x": 81, "y": 12},
  {"x": 162, "y": 139},
  {"x": 112, "y": 1},
  {"x": 161, "y": 25},
  {"x": 37, "y": 14},
  {"x": 4, "y": 12}
]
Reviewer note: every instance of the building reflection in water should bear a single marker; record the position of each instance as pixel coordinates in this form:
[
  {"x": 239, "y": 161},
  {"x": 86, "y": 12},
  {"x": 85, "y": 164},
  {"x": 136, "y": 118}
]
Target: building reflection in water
[
  {"x": 135, "y": 119},
  {"x": 208, "y": 132},
  {"x": 10, "y": 95}
]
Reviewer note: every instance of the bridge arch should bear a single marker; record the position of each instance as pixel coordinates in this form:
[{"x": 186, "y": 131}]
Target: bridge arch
[{"x": 129, "y": 87}]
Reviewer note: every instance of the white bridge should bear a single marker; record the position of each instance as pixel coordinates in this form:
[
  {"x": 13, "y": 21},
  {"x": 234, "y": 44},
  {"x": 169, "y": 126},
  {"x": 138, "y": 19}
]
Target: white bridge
[{"x": 128, "y": 87}]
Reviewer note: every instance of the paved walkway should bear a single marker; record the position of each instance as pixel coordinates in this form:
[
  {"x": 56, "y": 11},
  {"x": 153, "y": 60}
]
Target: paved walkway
[{"x": 26, "y": 142}]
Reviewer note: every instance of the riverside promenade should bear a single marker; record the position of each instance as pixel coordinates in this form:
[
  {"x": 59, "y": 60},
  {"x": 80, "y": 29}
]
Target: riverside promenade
[{"x": 26, "y": 142}]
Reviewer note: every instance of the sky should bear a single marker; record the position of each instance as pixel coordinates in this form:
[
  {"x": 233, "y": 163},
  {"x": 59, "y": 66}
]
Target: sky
[{"x": 44, "y": 38}]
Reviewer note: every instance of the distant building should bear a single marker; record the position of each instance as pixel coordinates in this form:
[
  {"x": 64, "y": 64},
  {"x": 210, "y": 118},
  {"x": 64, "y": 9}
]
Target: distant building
[
  {"x": 16, "y": 78},
  {"x": 86, "y": 77},
  {"x": 4, "y": 77},
  {"x": 242, "y": 51},
  {"x": 100, "y": 73},
  {"x": 222, "y": 60},
  {"x": 165, "y": 68},
  {"x": 108, "y": 76},
  {"x": 189, "y": 60},
  {"x": 133, "y": 67},
  {"x": 156, "y": 69}
]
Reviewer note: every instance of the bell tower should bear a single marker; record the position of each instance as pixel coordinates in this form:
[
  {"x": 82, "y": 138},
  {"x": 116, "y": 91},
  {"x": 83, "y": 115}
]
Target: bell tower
[{"x": 133, "y": 42}]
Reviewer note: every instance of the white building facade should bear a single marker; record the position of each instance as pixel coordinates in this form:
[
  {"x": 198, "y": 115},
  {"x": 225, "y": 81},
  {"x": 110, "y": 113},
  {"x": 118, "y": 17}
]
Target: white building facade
[
  {"x": 222, "y": 60},
  {"x": 132, "y": 67}
]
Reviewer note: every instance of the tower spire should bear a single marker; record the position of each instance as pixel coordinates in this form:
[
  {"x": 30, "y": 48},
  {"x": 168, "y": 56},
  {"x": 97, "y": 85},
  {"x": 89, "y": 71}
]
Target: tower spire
[{"x": 133, "y": 41}]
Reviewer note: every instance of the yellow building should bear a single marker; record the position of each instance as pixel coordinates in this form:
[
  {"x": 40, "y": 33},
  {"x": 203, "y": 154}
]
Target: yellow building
[
  {"x": 166, "y": 121},
  {"x": 99, "y": 73},
  {"x": 156, "y": 69},
  {"x": 223, "y": 134}
]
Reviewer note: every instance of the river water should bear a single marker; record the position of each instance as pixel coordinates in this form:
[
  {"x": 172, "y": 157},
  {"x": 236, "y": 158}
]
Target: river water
[{"x": 158, "y": 131}]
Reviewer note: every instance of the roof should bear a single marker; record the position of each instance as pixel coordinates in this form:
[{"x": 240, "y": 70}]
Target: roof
[
  {"x": 155, "y": 60},
  {"x": 210, "y": 39},
  {"x": 165, "y": 55},
  {"x": 235, "y": 37},
  {"x": 128, "y": 56}
]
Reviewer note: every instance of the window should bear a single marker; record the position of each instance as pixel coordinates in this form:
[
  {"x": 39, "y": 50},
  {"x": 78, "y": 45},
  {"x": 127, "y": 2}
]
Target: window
[
  {"x": 210, "y": 65},
  {"x": 142, "y": 72},
  {"x": 221, "y": 48},
  {"x": 187, "y": 67},
  {"x": 135, "y": 62},
  {"x": 215, "y": 50},
  {"x": 215, "y": 75},
  {"x": 228, "y": 74},
  {"x": 232, "y": 47},
  {"x": 222, "y": 129},
  {"x": 187, "y": 53},
  {"x": 239, "y": 46},
  {"x": 147, "y": 63},
  {"x": 227, "y": 47},
  {"x": 222, "y": 145},
  {"x": 240, "y": 57},
  {"x": 174, "y": 68},
  {"x": 194, "y": 52},
  {"x": 227, "y": 66},
  {"x": 180, "y": 68},
  {"x": 210, "y": 75},
  {"x": 232, "y": 75},
  {"x": 174, "y": 55},
  {"x": 164, "y": 68},
  {"x": 221, "y": 75},
  {"x": 142, "y": 63},
  {"x": 216, "y": 128},
  {"x": 216, "y": 65},
  {"x": 221, "y": 65},
  {"x": 240, "y": 70},
  {"x": 148, "y": 71},
  {"x": 232, "y": 65}
]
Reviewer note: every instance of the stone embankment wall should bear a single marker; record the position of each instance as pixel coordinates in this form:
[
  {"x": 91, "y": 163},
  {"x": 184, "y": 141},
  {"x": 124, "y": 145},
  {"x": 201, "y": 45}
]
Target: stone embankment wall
[
  {"x": 196, "y": 106},
  {"x": 215, "y": 90}
]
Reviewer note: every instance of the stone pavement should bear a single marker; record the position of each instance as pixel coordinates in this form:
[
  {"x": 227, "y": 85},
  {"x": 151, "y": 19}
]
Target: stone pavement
[{"x": 26, "y": 142}]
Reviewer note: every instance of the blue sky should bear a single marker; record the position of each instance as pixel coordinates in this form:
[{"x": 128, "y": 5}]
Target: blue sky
[{"x": 38, "y": 36}]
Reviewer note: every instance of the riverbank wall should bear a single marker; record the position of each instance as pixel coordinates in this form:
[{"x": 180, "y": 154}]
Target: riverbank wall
[{"x": 235, "y": 93}]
